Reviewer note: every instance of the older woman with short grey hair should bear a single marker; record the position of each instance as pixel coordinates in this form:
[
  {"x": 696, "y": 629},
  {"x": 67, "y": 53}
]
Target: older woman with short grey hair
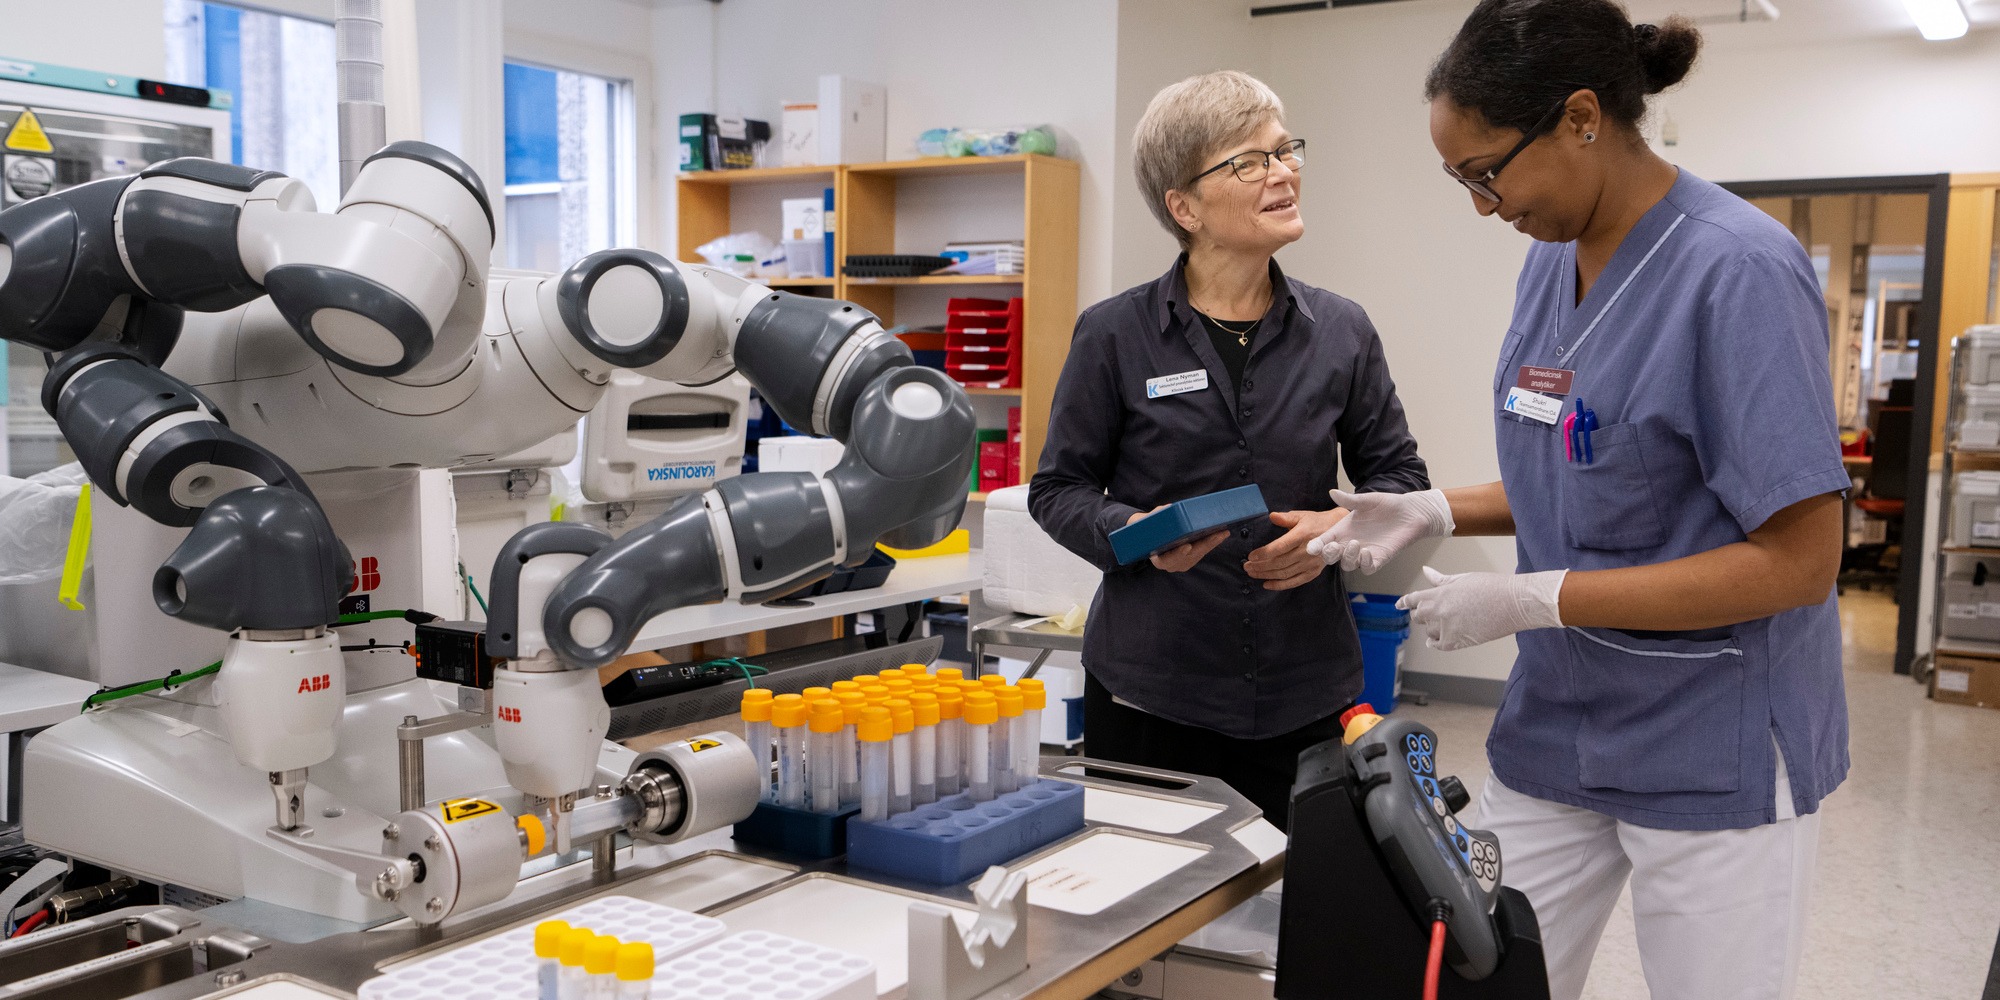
[{"x": 1227, "y": 655}]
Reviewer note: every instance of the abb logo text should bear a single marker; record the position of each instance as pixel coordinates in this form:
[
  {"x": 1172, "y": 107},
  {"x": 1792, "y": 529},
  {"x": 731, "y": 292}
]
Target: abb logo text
[
  {"x": 510, "y": 715},
  {"x": 367, "y": 576},
  {"x": 307, "y": 685}
]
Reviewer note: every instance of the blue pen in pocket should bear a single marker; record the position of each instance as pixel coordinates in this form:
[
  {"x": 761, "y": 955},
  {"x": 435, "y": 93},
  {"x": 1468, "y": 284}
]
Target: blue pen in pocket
[{"x": 1586, "y": 421}]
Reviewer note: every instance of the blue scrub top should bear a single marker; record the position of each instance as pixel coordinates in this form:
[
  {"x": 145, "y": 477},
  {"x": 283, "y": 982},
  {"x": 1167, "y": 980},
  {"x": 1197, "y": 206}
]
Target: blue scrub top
[{"x": 1709, "y": 378}]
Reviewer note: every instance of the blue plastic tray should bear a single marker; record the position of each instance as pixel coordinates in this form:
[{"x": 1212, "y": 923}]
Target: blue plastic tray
[
  {"x": 796, "y": 831},
  {"x": 956, "y": 838},
  {"x": 1189, "y": 519}
]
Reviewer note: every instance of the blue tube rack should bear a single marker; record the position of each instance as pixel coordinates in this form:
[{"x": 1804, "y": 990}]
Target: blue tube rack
[
  {"x": 956, "y": 838},
  {"x": 796, "y": 831}
]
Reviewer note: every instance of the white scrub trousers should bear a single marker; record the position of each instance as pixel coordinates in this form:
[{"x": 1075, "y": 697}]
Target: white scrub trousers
[{"x": 1720, "y": 914}]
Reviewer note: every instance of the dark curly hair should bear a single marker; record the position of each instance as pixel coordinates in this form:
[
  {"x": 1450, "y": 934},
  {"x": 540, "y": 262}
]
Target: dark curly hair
[{"x": 1514, "y": 59}]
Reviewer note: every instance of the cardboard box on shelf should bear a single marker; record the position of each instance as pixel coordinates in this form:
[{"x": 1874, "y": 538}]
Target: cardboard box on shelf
[
  {"x": 1965, "y": 680},
  {"x": 800, "y": 131}
]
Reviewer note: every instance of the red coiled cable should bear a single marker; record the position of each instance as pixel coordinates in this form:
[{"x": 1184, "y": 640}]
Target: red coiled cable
[
  {"x": 1436, "y": 960},
  {"x": 30, "y": 924}
]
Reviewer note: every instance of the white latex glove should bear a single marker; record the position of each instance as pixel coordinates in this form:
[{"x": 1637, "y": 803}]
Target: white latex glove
[
  {"x": 1466, "y": 609},
  {"x": 1379, "y": 525}
]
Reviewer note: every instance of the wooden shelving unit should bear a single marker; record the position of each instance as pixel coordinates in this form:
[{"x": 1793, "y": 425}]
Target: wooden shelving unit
[{"x": 866, "y": 207}]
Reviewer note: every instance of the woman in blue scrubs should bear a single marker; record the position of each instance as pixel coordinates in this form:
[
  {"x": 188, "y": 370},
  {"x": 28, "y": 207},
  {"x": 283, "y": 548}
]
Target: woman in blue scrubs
[{"x": 1670, "y": 470}]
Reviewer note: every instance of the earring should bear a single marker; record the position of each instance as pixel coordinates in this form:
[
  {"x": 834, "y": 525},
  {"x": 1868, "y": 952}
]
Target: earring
[{"x": 1589, "y": 137}]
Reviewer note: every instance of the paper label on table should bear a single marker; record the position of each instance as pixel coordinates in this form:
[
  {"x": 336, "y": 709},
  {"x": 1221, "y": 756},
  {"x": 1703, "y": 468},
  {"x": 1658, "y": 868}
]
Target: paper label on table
[
  {"x": 1956, "y": 681},
  {"x": 1961, "y": 611},
  {"x": 1094, "y": 873},
  {"x": 1986, "y": 529}
]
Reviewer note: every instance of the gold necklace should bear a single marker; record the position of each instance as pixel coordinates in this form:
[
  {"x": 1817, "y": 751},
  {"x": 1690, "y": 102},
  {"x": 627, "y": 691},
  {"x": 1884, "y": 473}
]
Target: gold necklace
[{"x": 1242, "y": 336}]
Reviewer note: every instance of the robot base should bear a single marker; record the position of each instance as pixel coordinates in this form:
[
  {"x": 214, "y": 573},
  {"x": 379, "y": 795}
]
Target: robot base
[
  {"x": 151, "y": 787},
  {"x": 1345, "y": 929}
]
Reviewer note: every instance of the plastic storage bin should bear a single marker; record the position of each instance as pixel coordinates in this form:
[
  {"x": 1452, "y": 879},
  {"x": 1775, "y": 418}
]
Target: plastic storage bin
[
  {"x": 1979, "y": 417},
  {"x": 956, "y": 838},
  {"x": 1972, "y": 602},
  {"x": 1976, "y": 509},
  {"x": 1982, "y": 355},
  {"x": 1382, "y": 629}
]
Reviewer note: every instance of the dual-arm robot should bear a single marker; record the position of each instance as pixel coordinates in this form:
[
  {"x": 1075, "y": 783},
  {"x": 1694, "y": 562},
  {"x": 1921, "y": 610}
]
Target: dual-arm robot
[{"x": 393, "y": 290}]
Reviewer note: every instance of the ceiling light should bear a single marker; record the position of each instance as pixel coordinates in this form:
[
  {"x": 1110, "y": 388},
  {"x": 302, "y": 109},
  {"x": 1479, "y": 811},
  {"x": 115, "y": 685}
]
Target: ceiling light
[{"x": 1937, "y": 20}]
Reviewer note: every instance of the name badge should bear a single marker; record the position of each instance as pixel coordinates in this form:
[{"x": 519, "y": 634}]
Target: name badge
[
  {"x": 1554, "y": 381},
  {"x": 1174, "y": 385},
  {"x": 1533, "y": 405}
]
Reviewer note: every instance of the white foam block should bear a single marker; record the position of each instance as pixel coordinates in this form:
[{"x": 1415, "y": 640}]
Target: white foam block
[{"x": 1026, "y": 571}]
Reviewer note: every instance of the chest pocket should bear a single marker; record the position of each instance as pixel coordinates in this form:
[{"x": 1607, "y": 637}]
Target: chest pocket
[
  {"x": 1611, "y": 503},
  {"x": 1507, "y": 350}
]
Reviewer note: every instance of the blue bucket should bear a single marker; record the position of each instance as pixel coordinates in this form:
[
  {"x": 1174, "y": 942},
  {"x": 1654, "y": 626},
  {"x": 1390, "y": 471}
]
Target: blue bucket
[{"x": 1382, "y": 630}]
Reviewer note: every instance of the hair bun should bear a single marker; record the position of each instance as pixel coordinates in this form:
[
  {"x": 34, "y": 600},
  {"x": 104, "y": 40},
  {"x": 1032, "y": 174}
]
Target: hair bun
[{"x": 1666, "y": 52}]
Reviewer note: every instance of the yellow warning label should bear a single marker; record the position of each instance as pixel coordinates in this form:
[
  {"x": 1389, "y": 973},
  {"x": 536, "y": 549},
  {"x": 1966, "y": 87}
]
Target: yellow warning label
[
  {"x": 458, "y": 810},
  {"x": 697, "y": 746},
  {"x": 28, "y": 136}
]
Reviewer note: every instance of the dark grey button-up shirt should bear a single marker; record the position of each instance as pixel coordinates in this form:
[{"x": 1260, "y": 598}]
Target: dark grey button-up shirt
[{"x": 1211, "y": 647}]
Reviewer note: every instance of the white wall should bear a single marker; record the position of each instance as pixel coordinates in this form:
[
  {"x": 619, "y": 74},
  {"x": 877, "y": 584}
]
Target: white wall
[
  {"x": 1387, "y": 230},
  {"x": 116, "y": 36}
]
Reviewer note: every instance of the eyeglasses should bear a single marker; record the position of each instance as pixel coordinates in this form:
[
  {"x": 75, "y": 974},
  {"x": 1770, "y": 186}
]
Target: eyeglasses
[
  {"x": 1483, "y": 184},
  {"x": 1255, "y": 165}
]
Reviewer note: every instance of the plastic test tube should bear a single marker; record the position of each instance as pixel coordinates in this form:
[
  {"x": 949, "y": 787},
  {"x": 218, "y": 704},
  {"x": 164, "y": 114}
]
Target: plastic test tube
[
  {"x": 788, "y": 714},
  {"x": 600, "y": 965},
  {"x": 851, "y": 704},
  {"x": 1006, "y": 733},
  {"x": 981, "y": 712},
  {"x": 1035, "y": 695},
  {"x": 548, "y": 958},
  {"x": 756, "y": 712},
  {"x": 823, "y": 754},
  {"x": 923, "y": 773},
  {"x": 904, "y": 719},
  {"x": 570, "y": 977},
  {"x": 874, "y": 733},
  {"x": 951, "y": 740},
  {"x": 635, "y": 971}
]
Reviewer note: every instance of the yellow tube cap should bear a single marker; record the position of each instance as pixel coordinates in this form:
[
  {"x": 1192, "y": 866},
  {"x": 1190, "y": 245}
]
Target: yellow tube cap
[
  {"x": 866, "y": 679},
  {"x": 924, "y": 682},
  {"x": 876, "y": 694},
  {"x": 1035, "y": 692},
  {"x": 600, "y": 956},
  {"x": 851, "y": 704},
  {"x": 537, "y": 836},
  {"x": 759, "y": 694},
  {"x": 970, "y": 687},
  {"x": 839, "y": 686},
  {"x": 574, "y": 941},
  {"x": 1011, "y": 702},
  {"x": 925, "y": 705},
  {"x": 915, "y": 669},
  {"x": 827, "y": 716},
  {"x": 548, "y": 938},
  {"x": 950, "y": 675},
  {"x": 813, "y": 694},
  {"x": 981, "y": 709},
  {"x": 757, "y": 709},
  {"x": 635, "y": 962},
  {"x": 788, "y": 714},
  {"x": 993, "y": 680},
  {"x": 876, "y": 726},
  {"x": 951, "y": 703},
  {"x": 899, "y": 687},
  {"x": 902, "y": 715}
]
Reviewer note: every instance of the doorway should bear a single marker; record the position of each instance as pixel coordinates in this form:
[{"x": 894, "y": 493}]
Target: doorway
[{"x": 1878, "y": 247}]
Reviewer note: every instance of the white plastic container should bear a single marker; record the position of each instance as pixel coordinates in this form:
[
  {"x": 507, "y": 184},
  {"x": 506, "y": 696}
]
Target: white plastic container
[
  {"x": 1975, "y": 509},
  {"x": 1982, "y": 355},
  {"x": 1979, "y": 416}
]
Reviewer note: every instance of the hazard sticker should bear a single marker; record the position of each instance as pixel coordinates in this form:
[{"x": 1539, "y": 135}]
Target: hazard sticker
[
  {"x": 26, "y": 177},
  {"x": 697, "y": 746},
  {"x": 28, "y": 136},
  {"x": 459, "y": 810}
]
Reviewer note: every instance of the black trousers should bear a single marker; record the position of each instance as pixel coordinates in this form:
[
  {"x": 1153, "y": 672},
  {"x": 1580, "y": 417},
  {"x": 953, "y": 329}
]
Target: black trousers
[{"x": 1260, "y": 770}]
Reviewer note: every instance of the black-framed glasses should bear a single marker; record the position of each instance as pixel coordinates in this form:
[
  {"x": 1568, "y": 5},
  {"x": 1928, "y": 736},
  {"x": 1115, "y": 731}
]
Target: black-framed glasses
[
  {"x": 1483, "y": 184},
  {"x": 1255, "y": 165}
]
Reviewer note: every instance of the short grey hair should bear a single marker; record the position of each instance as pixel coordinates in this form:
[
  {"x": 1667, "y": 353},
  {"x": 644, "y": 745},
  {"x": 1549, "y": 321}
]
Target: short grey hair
[{"x": 1189, "y": 123}]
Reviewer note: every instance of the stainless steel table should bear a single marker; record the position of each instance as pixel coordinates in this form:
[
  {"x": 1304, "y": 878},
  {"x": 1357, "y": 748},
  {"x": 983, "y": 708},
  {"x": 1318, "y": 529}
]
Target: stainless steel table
[{"x": 1007, "y": 630}]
